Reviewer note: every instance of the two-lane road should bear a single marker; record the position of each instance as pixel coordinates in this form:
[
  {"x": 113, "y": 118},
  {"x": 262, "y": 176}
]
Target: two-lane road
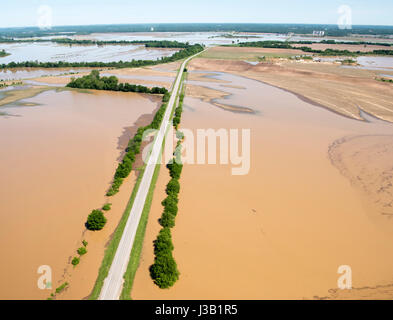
[{"x": 113, "y": 283}]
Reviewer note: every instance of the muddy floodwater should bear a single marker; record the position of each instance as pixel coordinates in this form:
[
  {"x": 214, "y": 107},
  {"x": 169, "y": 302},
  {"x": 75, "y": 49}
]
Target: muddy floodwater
[
  {"x": 26, "y": 73},
  {"x": 52, "y": 52},
  {"x": 282, "y": 230},
  {"x": 58, "y": 157}
]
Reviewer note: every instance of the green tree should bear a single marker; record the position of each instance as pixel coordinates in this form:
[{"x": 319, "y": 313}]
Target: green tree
[
  {"x": 167, "y": 220},
  {"x": 164, "y": 271},
  {"x": 75, "y": 261},
  {"x": 107, "y": 206},
  {"x": 81, "y": 251},
  {"x": 96, "y": 220},
  {"x": 163, "y": 243},
  {"x": 173, "y": 187}
]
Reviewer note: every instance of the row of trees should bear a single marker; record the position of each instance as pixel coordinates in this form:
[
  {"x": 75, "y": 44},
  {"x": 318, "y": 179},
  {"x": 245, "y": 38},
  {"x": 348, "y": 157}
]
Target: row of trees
[
  {"x": 146, "y": 43},
  {"x": 178, "y": 112},
  {"x": 134, "y": 148},
  {"x": 182, "y": 54},
  {"x": 327, "y": 52},
  {"x": 94, "y": 81},
  {"x": 164, "y": 271}
]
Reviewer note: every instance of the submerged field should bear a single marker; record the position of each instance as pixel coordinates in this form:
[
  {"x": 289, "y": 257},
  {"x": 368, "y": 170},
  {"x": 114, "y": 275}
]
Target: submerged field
[
  {"x": 343, "y": 90},
  {"x": 281, "y": 231},
  {"x": 58, "y": 158}
]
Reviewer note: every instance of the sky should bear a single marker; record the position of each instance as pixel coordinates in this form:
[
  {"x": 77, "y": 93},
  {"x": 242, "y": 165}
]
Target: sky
[{"x": 19, "y": 13}]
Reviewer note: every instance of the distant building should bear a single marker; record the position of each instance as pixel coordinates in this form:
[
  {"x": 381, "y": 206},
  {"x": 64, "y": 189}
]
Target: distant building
[{"x": 318, "y": 33}]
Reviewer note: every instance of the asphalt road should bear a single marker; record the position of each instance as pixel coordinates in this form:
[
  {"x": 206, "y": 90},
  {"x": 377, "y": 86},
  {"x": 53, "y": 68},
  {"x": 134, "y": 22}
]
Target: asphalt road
[{"x": 113, "y": 283}]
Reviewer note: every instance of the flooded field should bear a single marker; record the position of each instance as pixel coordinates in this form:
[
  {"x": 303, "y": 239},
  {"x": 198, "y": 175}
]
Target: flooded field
[
  {"x": 28, "y": 73},
  {"x": 59, "y": 154},
  {"x": 376, "y": 62},
  {"x": 206, "y": 38},
  {"x": 283, "y": 230},
  {"x": 52, "y": 52}
]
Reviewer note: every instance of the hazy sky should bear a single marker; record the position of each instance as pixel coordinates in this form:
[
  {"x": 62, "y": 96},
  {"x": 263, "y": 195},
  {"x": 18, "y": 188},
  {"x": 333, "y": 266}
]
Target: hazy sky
[{"x": 16, "y": 13}]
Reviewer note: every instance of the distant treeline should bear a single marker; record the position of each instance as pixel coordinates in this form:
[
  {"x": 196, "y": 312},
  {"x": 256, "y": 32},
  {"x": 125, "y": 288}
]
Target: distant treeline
[
  {"x": 147, "y": 43},
  {"x": 385, "y": 44},
  {"x": 356, "y": 43},
  {"x": 329, "y": 29},
  {"x": 182, "y": 54},
  {"x": 327, "y": 52},
  {"x": 94, "y": 81}
]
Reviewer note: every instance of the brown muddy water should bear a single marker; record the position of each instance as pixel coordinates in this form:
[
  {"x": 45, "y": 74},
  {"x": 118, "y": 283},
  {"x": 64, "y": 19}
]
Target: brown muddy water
[
  {"x": 58, "y": 157},
  {"x": 283, "y": 230}
]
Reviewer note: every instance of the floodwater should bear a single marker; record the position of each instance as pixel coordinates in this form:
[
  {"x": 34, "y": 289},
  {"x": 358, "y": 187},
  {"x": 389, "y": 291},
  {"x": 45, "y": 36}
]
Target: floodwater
[
  {"x": 58, "y": 157},
  {"x": 28, "y": 73},
  {"x": 376, "y": 62},
  {"x": 281, "y": 231},
  {"x": 52, "y": 52},
  {"x": 206, "y": 38}
]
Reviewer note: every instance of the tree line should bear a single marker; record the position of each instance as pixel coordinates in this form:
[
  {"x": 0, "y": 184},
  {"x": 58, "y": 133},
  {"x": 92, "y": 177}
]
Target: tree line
[
  {"x": 147, "y": 43},
  {"x": 182, "y": 54},
  {"x": 94, "y": 81},
  {"x": 164, "y": 271},
  {"x": 134, "y": 148},
  {"x": 327, "y": 52}
]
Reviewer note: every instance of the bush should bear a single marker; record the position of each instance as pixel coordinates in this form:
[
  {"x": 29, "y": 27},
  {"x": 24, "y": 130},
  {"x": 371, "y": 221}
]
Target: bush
[
  {"x": 163, "y": 243},
  {"x": 166, "y": 97},
  {"x": 171, "y": 207},
  {"x": 61, "y": 288},
  {"x": 167, "y": 220},
  {"x": 170, "y": 198},
  {"x": 85, "y": 243},
  {"x": 175, "y": 169},
  {"x": 96, "y": 220},
  {"x": 75, "y": 261},
  {"x": 117, "y": 182},
  {"x": 107, "y": 206},
  {"x": 173, "y": 187},
  {"x": 164, "y": 271},
  {"x": 81, "y": 251},
  {"x": 130, "y": 155},
  {"x": 124, "y": 168}
]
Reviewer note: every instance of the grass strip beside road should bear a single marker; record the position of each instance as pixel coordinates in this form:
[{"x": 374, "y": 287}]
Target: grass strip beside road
[
  {"x": 139, "y": 239},
  {"x": 114, "y": 243}
]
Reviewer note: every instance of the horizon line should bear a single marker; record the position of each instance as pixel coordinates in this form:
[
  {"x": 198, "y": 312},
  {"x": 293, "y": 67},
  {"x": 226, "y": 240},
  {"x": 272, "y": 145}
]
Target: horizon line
[{"x": 201, "y": 23}]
